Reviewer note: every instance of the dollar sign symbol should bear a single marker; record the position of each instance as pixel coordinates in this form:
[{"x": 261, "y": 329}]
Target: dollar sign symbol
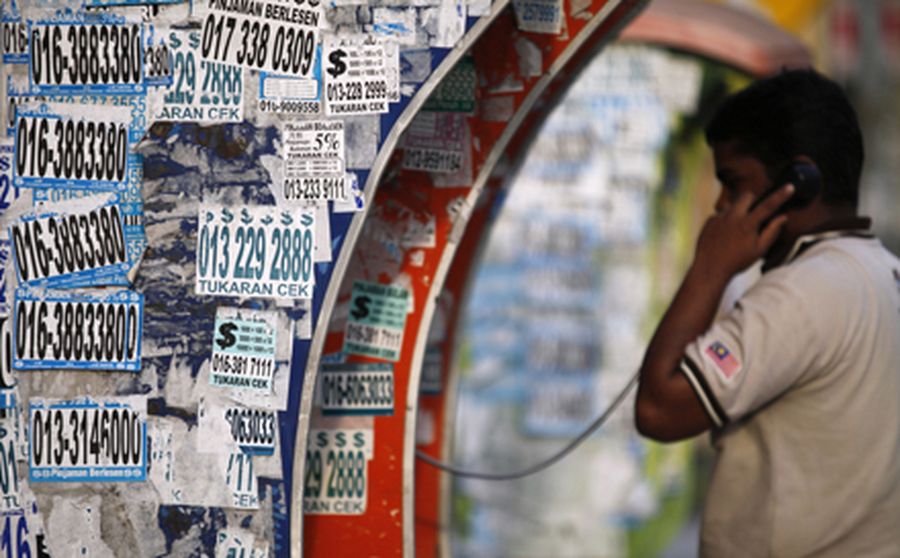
[
  {"x": 361, "y": 310},
  {"x": 336, "y": 58},
  {"x": 228, "y": 339}
]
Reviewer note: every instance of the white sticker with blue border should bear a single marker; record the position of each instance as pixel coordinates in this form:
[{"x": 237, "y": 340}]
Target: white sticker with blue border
[
  {"x": 252, "y": 430},
  {"x": 290, "y": 95},
  {"x": 17, "y": 94},
  {"x": 72, "y": 146},
  {"x": 157, "y": 57},
  {"x": 128, "y": 196},
  {"x": 71, "y": 249},
  {"x": 77, "y": 330},
  {"x": 103, "y": 56},
  {"x": 5, "y": 256},
  {"x": 87, "y": 440},
  {"x": 15, "y": 36},
  {"x": 8, "y": 192},
  {"x": 10, "y": 497}
]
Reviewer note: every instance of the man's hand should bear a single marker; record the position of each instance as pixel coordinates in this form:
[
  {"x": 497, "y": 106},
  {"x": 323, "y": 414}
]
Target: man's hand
[
  {"x": 667, "y": 407},
  {"x": 737, "y": 236}
]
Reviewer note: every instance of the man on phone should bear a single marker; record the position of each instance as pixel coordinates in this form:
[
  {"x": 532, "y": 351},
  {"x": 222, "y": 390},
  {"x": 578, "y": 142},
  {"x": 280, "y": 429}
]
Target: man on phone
[{"x": 800, "y": 380}]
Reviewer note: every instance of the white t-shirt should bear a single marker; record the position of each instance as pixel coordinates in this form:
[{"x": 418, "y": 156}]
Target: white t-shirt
[{"x": 802, "y": 379}]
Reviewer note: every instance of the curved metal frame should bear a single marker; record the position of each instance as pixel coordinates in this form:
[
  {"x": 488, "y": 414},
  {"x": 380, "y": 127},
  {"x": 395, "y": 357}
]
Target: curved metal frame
[{"x": 320, "y": 333}]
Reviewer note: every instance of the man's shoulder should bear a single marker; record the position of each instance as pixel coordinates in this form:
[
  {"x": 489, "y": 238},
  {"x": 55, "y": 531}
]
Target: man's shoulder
[
  {"x": 825, "y": 273},
  {"x": 830, "y": 274}
]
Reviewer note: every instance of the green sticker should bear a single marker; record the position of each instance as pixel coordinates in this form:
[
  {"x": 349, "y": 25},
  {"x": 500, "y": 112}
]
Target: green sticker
[
  {"x": 377, "y": 319},
  {"x": 456, "y": 93}
]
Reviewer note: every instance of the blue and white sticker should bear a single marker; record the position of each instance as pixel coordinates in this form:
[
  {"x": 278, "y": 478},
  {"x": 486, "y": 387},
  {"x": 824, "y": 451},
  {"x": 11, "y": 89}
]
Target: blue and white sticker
[
  {"x": 24, "y": 530},
  {"x": 8, "y": 191},
  {"x": 539, "y": 16},
  {"x": 200, "y": 91},
  {"x": 261, "y": 252},
  {"x": 5, "y": 258},
  {"x": 290, "y": 95},
  {"x": 15, "y": 35},
  {"x": 47, "y": 199},
  {"x": 243, "y": 352},
  {"x": 10, "y": 498},
  {"x": 79, "y": 146},
  {"x": 87, "y": 440},
  {"x": 128, "y": 196},
  {"x": 356, "y": 388},
  {"x": 72, "y": 249},
  {"x": 253, "y": 431},
  {"x": 77, "y": 330},
  {"x": 18, "y": 93},
  {"x": 157, "y": 57},
  {"x": 77, "y": 57}
]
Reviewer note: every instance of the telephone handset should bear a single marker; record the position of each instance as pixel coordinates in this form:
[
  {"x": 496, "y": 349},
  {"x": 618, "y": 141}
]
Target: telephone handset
[{"x": 807, "y": 181}]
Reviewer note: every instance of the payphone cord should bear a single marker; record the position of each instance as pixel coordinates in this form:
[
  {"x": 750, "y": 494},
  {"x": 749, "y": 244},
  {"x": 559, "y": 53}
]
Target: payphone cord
[{"x": 540, "y": 466}]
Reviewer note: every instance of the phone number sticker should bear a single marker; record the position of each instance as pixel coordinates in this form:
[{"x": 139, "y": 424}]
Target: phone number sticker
[
  {"x": 356, "y": 389},
  {"x": 377, "y": 319},
  {"x": 253, "y": 431},
  {"x": 10, "y": 498},
  {"x": 243, "y": 354},
  {"x": 87, "y": 440},
  {"x": 336, "y": 479},
  {"x": 70, "y": 249},
  {"x": 79, "y": 57},
  {"x": 436, "y": 142},
  {"x": 362, "y": 75},
  {"x": 200, "y": 91},
  {"x": 263, "y": 252},
  {"x": 157, "y": 58},
  {"x": 292, "y": 95},
  {"x": 77, "y": 330},
  {"x": 72, "y": 146},
  {"x": 15, "y": 38},
  {"x": 8, "y": 192},
  {"x": 278, "y": 36},
  {"x": 312, "y": 149}
]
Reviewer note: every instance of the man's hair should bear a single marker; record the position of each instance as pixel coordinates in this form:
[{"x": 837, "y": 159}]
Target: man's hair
[{"x": 796, "y": 112}]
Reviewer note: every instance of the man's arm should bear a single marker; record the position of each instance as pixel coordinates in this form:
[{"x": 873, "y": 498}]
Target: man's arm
[{"x": 667, "y": 408}]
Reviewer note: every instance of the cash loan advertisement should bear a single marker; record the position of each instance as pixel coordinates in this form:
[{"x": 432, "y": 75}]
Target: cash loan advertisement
[
  {"x": 377, "y": 318},
  {"x": 314, "y": 160},
  {"x": 278, "y": 36},
  {"x": 243, "y": 353},
  {"x": 263, "y": 252},
  {"x": 200, "y": 90},
  {"x": 362, "y": 75}
]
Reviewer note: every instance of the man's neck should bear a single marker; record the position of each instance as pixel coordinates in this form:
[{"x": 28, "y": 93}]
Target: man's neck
[{"x": 817, "y": 219}]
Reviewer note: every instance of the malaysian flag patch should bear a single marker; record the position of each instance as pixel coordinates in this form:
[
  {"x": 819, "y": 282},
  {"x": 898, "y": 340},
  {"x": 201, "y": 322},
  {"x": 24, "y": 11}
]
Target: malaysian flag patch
[{"x": 723, "y": 359}]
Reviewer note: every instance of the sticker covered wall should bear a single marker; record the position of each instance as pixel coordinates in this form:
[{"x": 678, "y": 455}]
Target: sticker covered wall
[
  {"x": 233, "y": 149},
  {"x": 174, "y": 196}
]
